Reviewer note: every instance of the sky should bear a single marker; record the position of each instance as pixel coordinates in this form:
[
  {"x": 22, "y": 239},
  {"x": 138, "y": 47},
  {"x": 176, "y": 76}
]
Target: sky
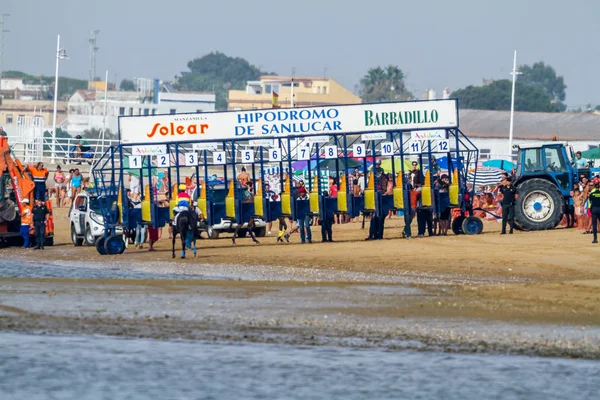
[{"x": 437, "y": 43}]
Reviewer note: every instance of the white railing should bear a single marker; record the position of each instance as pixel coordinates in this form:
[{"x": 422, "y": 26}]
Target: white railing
[{"x": 65, "y": 149}]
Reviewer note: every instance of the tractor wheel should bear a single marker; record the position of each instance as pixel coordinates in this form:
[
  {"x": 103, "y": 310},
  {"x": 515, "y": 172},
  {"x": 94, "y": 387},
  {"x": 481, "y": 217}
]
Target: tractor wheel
[
  {"x": 114, "y": 245},
  {"x": 76, "y": 241},
  {"x": 100, "y": 246},
  {"x": 260, "y": 232},
  {"x": 472, "y": 226},
  {"x": 540, "y": 205},
  {"x": 457, "y": 225}
]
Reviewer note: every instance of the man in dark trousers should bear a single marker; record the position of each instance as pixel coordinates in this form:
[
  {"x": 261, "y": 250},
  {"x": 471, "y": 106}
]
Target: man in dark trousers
[
  {"x": 326, "y": 219},
  {"x": 594, "y": 197},
  {"x": 509, "y": 198},
  {"x": 40, "y": 216}
]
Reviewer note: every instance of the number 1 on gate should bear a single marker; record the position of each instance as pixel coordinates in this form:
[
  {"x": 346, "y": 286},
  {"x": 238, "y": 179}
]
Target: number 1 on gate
[{"x": 135, "y": 161}]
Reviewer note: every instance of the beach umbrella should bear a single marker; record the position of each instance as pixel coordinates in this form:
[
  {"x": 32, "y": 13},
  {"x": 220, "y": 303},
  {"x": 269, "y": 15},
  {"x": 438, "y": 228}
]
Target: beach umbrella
[
  {"x": 500, "y": 164},
  {"x": 486, "y": 176},
  {"x": 330, "y": 163},
  {"x": 591, "y": 154},
  {"x": 387, "y": 165}
]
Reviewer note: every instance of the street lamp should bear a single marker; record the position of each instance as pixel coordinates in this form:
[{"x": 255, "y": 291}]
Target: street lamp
[
  {"x": 61, "y": 54},
  {"x": 514, "y": 74}
]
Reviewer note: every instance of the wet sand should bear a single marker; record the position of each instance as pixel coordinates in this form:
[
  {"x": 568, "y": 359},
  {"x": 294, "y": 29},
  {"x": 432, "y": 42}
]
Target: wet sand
[{"x": 531, "y": 292}]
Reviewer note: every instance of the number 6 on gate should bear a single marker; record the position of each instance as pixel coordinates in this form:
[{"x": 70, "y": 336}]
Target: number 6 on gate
[{"x": 274, "y": 155}]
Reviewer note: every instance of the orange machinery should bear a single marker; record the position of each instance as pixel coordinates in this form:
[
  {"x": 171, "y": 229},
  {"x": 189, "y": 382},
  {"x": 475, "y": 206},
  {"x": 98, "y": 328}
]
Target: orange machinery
[{"x": 16, "y": 185}]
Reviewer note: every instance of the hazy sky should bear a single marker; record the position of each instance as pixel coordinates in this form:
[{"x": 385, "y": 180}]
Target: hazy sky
[{"x": 437, "y": 43}]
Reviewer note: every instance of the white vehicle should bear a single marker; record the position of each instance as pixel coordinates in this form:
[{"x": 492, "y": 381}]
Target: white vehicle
[
  {"x": 226, "y": 226},
  {"x": 87, "y": 222}
]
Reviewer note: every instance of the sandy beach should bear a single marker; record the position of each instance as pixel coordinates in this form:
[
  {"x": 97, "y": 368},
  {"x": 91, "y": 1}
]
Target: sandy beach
[{"x": 534, "y": 292}]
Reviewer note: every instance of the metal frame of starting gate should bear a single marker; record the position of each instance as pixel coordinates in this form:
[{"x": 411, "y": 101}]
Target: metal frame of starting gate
[{"x": 200, "y": 158}]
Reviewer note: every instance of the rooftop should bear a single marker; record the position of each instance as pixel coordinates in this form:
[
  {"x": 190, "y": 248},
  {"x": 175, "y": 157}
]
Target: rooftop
[{"x": 529, "y": 125}]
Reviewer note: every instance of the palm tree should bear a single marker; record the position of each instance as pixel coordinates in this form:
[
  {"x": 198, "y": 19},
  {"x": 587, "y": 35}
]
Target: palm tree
[{"x": 387, "y": 84}]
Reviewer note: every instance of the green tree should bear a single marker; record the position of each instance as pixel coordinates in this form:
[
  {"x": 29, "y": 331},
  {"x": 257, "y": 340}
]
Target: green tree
[
  {"x": 544, "y": 76},
  {"x": 384, "y": 84},
  {"x": 497, "y": 96},
  {"x": 217, "y": 72},
  {"x": 127, "y": 85}
]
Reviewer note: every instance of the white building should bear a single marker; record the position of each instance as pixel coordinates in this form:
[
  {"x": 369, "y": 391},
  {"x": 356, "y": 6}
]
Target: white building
[
  {"x": 488, "y": 130},
  {"x": 86, "y": 109},
  {"x": 14, "y": 88}
]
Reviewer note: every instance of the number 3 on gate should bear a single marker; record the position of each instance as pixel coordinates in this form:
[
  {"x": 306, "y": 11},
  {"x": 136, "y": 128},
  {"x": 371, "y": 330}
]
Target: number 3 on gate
[
  {"x": 162, "y": 160},
  {"x": 274, "y": 155},
  {"x": 248, "y": 156},
  {"x": 135, "y": 161},
  {"x": 191, "y": 159},
  {"x": 218, "y": 157}
]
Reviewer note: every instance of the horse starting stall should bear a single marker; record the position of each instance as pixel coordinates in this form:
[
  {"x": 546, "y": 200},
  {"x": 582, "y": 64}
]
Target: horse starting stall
[{"x": 199, "y": 148}]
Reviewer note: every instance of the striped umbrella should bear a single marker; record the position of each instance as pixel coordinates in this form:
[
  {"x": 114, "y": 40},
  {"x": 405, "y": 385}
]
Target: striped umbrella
[{"x": 486, "y": 176}]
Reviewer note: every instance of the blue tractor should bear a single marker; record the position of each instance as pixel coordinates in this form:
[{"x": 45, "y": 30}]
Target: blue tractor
[{"x": 544, "y": 178}]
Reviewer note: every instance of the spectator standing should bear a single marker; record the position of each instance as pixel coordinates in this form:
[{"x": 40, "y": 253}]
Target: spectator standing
[
  {"x": 570, "y": 210},
  {"x": 579, "y": 162},
  {"x": 326, "y": 219},
  {"x": 134, "y": 186},
  {"x": 303, "y": 222},
  {"x": 59, "y": 185},
  {"x": 76, "y": 184},
  {"x": 26, "y": 223},
  {"x": 39, "y": 174},
  {"x": 40, "y": 217},
  {"x": 2, "y": 131},
  {"x": 424, "y": 219},
  {"x": 509, "y": 197},
  {"x": 594, "y": 198},
  {"x": 444, "y": 205}
]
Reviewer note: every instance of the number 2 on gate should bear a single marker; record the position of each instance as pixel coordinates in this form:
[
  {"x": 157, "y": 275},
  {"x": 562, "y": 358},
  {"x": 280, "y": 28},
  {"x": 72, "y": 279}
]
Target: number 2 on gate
[
  {"x": 162, "y": 160},
  {"x": 358, "y": 150},
  {"x": 135, "y": 161},
  {"x": 191, "y": 159},
  {"x": 218, "y": 157}
]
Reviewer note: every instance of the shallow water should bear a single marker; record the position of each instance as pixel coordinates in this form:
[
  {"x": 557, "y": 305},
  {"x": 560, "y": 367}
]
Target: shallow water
[
  {"x": 86, "y": 367},
  {"x": 18, "y": 268}
]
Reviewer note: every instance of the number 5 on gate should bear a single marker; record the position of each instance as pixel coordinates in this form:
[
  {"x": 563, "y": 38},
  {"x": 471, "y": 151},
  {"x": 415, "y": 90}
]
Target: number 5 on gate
[{"x": 248, "y": 156}]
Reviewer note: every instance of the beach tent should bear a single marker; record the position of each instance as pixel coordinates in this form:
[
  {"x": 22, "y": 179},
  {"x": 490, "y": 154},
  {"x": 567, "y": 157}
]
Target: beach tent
[
  {"x": 591, "y": 154},
  {"x": 500, "y": 164}
]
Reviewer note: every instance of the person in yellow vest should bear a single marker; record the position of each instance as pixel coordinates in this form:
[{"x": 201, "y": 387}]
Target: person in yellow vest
[
  {"x": 39, "y": 174},
  {"x": 26, "y": 222}
]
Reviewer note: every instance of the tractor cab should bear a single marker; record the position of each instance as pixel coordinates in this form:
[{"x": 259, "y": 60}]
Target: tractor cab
[{"x": 548, "y": 161}]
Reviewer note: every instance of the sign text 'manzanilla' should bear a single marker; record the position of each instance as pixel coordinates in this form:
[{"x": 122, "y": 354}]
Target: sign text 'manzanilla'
[
  {"x": 287, "y": 115},
  {"x": 400, "y": 117}
]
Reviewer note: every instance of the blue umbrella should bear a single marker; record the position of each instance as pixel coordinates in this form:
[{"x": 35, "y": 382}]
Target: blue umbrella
[{"x": 500, "y": 164}]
